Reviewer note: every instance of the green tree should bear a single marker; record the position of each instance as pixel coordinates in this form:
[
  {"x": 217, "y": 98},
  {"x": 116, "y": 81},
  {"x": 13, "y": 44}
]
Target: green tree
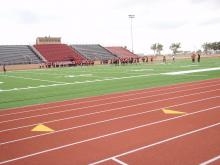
[
  {"x": 159, "y": 48},
  {"x": 154, "y": 47},
  {"x": 174, "y": 47},
  {"x": 211, "y": 46},
  {"x": 206, "y": 47}
]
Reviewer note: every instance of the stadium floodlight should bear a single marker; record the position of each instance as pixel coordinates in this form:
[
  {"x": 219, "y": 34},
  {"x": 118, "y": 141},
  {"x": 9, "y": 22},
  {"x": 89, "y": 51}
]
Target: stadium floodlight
[{"x": 131, "y": 16}]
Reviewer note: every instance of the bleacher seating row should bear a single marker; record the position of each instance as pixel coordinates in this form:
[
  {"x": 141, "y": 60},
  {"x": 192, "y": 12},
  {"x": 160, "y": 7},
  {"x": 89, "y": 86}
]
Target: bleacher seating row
[
  {"x": 121, "y": 52},
  {"x": 18, "y": 54},
  {"x": 94, "y": 52},
  {"x": 58, "y": 53}
]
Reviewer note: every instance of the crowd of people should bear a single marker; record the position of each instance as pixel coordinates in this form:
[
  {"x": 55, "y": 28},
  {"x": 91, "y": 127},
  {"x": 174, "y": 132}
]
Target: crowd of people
[{"x": 117, "y": 61}]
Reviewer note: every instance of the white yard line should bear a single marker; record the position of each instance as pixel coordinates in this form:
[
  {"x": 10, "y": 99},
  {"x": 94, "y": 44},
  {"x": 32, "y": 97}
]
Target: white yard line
[
  {"x": 35, "y": 79},
  {"x": 170, "y": 88},
  {"x": 101, "y": 80},
  {"x": 73, "y": 83},
  {"x": 116, "y": 133},
  {"x": 191, "y": 71},
  {"x": 79, "y": 75},
  {"x": 141, "y": 70},
  {"x": 186, "y": 66}
]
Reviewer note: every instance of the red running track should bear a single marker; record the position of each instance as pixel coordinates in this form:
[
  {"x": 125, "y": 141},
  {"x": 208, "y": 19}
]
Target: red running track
[{"x": 121, "y": 128}]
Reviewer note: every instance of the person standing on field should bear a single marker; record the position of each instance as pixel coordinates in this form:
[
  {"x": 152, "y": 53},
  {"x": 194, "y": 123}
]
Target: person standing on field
[
  {"x": 4, "y": 68},
  {"x": 193, "y": 57},
  {"x": 198, "y": 57}
]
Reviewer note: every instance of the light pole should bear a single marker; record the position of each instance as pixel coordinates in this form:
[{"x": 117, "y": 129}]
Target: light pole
[{"x": 131, "y": 16}]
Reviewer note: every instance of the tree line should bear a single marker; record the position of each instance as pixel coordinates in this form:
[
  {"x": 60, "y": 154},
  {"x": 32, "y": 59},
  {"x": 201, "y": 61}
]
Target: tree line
[
  {"x": 211, "y": 46},
  {"x": 157, "y": 47}
]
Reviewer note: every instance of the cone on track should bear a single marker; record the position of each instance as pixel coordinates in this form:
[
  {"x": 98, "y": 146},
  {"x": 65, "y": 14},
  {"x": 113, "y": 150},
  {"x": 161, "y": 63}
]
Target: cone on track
[
  {"x": 42, "y": 128},
  {"x": 172, "y": 112}
]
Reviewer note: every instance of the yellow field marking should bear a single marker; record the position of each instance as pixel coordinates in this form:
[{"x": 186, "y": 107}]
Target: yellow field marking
[
  {"x": 172, "y": 112},
  {"x": 42, "y": 128}
]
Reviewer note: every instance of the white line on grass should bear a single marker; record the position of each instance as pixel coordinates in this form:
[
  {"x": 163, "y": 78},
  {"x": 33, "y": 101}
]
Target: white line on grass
[
  {"x": 80, "y": 75},
  {"x": 77, "y": 82},
  {"x": 201, "y": 85},
  {"x": 69, "y": 110},
  {"x": 35, "y": 79},
  {"x": 116, "y": 133},
  {"x": 158, "y": 143},
  {"x": 141, "y": 70},
  {"x": 186, "y": 66},
  {"x": 189, "y": 84},
  {"x": 191, "y": 71},
  {"x": 106, "y": 79}
]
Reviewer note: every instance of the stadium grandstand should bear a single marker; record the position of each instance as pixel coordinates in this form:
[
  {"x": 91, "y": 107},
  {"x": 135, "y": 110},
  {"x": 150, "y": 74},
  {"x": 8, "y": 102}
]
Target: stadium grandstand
[
  {"x": 94, "y": 52},
  {"x": 18, "y": 54},
  {"x": 56, "y": 53},
  {"x": 53, "y": 51},
  {"x": 121, "y": 52}
]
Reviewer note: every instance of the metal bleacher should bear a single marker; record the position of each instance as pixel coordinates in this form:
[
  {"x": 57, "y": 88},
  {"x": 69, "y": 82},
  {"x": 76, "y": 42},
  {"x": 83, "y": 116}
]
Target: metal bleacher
[
  {"x": 93, "y": 52},
  {"x": 18, "y": 54}
]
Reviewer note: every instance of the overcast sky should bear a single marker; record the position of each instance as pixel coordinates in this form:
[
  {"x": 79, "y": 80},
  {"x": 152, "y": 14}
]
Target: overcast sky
[{"x": 106, "y": 22}]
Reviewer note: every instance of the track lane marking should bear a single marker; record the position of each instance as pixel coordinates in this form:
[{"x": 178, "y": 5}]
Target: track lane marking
[
  {"x": 94, "y": 123},
  {"x": 116, "y": 133},
  {"x": 119, "y": 161},
  {"x": 210, "y": 160},
  {"x": 157, "y": 143},
  {"x": 69, "y": 110}
]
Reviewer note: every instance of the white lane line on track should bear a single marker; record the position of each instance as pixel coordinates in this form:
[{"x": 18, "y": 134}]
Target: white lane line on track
[
  {"x": 116, "y": 133},
  {"x": 69, "y": 110},
  {"x": 95, "y": 123},
  {"x": 210, "y": 160},
  {"x": 158, "y": 143},
  {"x": 170, "y": 87},
  {"x": 119, "y": 161}
]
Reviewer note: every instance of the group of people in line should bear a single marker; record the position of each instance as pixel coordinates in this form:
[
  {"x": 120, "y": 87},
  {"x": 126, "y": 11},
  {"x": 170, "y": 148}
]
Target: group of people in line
[
  {"x": 136, "y": 60},
  {"x": 165, "y": 60}
]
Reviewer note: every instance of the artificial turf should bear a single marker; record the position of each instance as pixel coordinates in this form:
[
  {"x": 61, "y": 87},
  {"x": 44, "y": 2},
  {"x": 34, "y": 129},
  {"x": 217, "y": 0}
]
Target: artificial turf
[{"x": 21, "y": 88}]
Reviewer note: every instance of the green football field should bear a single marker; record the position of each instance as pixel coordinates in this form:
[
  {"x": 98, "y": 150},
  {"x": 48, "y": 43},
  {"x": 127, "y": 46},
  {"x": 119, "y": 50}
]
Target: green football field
[{"x": 20, "y": 88}]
